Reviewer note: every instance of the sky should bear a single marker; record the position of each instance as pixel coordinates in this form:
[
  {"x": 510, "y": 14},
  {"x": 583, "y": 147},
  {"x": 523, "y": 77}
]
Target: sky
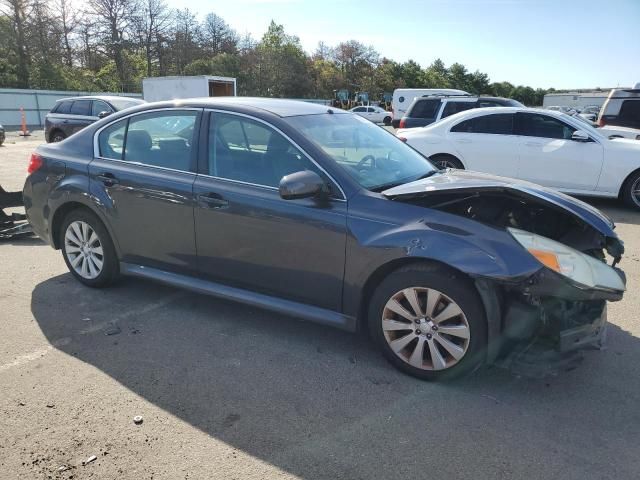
[{"x": 540, "y": 43}]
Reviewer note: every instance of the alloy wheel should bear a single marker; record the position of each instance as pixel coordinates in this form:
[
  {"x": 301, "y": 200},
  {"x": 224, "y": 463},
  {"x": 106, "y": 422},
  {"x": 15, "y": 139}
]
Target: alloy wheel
[
  {"x": 425, "y": 328},
  {"x": 443, "y": 164},
  {"x": 84, "y": 249},
  {"x": 635, "y": 192}
]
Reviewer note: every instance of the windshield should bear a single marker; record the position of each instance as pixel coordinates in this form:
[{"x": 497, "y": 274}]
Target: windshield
[
  {"x": 371, "y": 155},
  {"x": 122, "y": 103}
]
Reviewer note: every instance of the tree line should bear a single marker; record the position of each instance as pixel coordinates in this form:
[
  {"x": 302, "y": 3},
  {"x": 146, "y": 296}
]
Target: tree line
[{"x": 111, "y": 45}]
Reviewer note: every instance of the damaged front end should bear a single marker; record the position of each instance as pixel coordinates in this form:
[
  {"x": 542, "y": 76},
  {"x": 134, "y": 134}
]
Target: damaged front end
[{"x": 542, "y": 322}]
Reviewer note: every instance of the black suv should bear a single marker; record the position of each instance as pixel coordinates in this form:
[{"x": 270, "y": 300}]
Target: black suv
[
  {"x": 69, "y": 115},
  {"x": 427, "y": 110}
]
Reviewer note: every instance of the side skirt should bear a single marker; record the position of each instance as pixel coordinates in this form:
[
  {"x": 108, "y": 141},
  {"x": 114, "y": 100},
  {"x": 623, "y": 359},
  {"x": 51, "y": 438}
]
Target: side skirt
[{"x": 275, "y": 304}]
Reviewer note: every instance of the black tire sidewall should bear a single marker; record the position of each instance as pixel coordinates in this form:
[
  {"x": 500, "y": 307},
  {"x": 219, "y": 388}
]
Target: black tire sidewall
[
  {"x": 453, "y": 285},
  {"x": 627, "y": 195},
  {"x": 110, "y": 268}
]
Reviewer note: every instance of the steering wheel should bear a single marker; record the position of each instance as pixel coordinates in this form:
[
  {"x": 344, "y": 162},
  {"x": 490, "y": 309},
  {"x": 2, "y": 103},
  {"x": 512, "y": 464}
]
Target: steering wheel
[{"x": 365, "y": 159}]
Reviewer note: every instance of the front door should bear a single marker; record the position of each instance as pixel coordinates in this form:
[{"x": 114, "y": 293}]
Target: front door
[
  {"x": 247, "y": 235},
  {"x": 548, "y": 156},
  {"x": 146, "y": 170}
]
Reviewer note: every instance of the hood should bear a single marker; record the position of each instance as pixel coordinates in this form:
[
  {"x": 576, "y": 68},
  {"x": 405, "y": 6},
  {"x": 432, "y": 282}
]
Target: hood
[{"x": 474, "y": 182}]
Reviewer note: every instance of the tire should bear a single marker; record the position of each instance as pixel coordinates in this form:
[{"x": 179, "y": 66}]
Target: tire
[
  {"x": 93, "y": 263},
  {"x": 57, "y": 136},
  {"x": 387, "y": 121},
  {"x": 631, "y": 184},
  {"x": 443, "y": 161},
  {"x": 451, "y": 293}
]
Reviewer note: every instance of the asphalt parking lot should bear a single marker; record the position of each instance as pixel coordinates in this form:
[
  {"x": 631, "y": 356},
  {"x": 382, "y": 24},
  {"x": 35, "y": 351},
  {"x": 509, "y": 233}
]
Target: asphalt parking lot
[{"x": 227, "y": 391}]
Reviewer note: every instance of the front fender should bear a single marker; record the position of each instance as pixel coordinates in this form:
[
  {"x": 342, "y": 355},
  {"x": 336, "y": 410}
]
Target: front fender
[{"x": 472, "y": 248}]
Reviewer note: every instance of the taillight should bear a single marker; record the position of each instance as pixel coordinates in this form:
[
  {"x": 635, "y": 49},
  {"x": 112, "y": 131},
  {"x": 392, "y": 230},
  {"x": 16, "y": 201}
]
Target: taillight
[
  {"x": 403, "y": 139},
  {"x": 402, "y": 123},
  {"x": 601, "y": 122},
  {"x": 34, "y": 163}
]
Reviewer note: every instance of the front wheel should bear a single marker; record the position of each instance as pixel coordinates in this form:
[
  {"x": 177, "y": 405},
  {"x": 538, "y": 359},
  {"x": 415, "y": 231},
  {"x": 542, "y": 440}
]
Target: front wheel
[
  {"x": 88, "y": 250},
  {"x": 387, "y": 121},
  {"x": 429, "y": 322}
]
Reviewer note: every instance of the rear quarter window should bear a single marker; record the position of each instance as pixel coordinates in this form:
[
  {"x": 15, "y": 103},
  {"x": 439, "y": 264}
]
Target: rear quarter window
[{"x": 454, "y": 107}]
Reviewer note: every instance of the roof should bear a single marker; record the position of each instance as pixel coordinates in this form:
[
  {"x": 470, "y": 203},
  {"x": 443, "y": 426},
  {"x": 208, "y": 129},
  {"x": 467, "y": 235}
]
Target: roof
[
  {"x": 107, "y": 98},
  {"x": 276, "y": 106}
]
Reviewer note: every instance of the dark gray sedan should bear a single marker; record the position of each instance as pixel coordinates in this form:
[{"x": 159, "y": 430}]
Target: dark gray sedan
[{"x": 319, "y": 214}]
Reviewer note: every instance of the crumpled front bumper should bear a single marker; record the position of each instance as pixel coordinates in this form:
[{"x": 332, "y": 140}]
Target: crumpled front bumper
[{"x": 549, "y": 321}]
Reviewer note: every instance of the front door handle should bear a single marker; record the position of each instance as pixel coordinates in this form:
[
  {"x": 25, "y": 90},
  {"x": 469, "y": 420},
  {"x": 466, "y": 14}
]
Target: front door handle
[
  {"x": 463, "y": 140},
  {"x": 212, "y": 200},
  {"x": 108, "y": 179},
  {"x": 532, "y": 144}
]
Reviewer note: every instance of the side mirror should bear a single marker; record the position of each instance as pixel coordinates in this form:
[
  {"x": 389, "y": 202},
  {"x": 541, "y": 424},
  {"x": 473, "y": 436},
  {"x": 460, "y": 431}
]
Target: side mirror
[
  {"x": 304, "y": 184},
  {"x": 104, "y": 114},
  {"x": 580, "y": 136}
]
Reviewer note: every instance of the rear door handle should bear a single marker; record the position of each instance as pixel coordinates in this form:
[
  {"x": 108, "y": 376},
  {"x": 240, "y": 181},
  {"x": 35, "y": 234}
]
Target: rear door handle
[
  {"x": 212, "y": 200},
  {"x": 108, "y": 179}
]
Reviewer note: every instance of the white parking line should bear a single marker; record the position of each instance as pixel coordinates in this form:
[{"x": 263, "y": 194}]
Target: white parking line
[{"x": 41, "y": 352}]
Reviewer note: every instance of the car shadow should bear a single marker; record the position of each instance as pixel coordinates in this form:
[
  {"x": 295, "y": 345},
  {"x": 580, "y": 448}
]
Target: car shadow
[
  {"x": 320, "y": 403},
  {"x": 23, "y": 240}
]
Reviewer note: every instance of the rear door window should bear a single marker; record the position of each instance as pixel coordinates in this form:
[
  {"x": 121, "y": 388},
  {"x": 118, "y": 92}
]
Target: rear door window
[
  {"x": 81, "y": 107},
  {"x": 359, "y": 109},
  {"x": 111, "y": 140},
  {"x": 425, "y": 108},
  {"x": 499, "y": 124},
  {"x": 161, "y": 139},
  {"x": 454, "y": 107}
]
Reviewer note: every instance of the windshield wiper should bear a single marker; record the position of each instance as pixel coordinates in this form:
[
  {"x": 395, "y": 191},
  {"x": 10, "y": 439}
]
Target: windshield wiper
[{"x": 386, "y": 186}]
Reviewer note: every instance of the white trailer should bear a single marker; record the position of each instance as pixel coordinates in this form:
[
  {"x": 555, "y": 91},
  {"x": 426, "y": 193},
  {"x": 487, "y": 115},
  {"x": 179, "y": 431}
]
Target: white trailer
[{"x": 155, "y": 89}]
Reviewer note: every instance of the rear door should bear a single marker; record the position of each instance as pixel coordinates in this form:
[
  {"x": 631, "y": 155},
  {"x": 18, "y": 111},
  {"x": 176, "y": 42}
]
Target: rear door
[
  {"x": 549, "y": 157},
  {"x": 145, "y": 170},
  {"x": 487, "y": 143},
  {"x": 251, "y": 238}
]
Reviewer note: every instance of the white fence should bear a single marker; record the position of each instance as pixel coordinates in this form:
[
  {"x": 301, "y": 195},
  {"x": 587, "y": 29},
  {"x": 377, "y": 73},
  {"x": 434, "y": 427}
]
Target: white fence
[{"x": 36, "y": 104}]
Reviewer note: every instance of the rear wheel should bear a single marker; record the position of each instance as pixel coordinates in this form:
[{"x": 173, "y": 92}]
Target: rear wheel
[
  {"x": 57, "y": 136},
  {"x": 428, "y": 322},
  {"x": 447, "y": 161},
  {"x": 630, "y": 191},
  {"x": 88, "y": 250},
  {"x": 387, "y": 121}
]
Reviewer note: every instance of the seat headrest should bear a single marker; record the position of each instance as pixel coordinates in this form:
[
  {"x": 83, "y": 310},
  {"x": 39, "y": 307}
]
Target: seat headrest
[{"x": 139, "y": 140}]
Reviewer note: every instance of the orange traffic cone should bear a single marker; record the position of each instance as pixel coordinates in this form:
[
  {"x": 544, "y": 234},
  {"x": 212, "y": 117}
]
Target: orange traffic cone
[{"x": 24, "y": 132}]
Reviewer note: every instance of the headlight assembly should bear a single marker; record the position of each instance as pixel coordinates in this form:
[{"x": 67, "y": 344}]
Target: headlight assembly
[{"x": 571, "y": 263}]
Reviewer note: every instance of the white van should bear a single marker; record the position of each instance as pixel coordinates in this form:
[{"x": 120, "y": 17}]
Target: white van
[{"x": 403, "y": 97}]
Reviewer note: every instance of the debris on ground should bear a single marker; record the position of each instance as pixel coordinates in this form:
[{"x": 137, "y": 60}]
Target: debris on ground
[
  {"x": 64, "y": 468},
  {"x": 92, "y": 458},
  {"x": 112, "y": 329},
  {"x": 137, "y": 419},
  {"x": 51, "y": 405}
]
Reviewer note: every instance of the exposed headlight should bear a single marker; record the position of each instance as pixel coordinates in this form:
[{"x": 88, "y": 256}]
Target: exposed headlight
[{"x": 571, "y": 263}]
